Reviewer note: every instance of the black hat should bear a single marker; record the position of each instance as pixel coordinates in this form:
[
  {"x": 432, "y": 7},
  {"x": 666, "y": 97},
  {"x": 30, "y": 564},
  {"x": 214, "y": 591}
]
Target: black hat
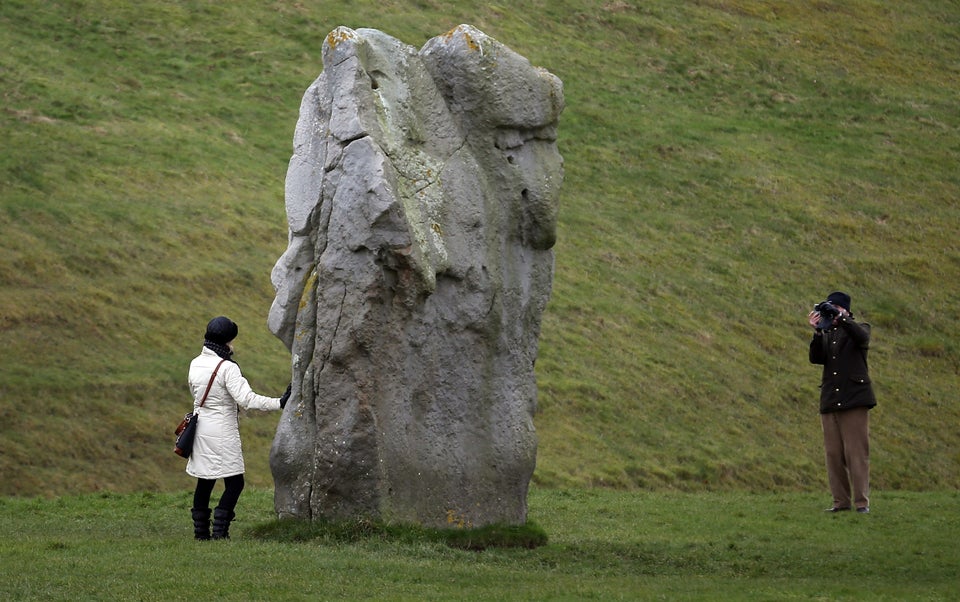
[
  {"x": 841, "y": 299},
  {"x": 221, "y": 330}
]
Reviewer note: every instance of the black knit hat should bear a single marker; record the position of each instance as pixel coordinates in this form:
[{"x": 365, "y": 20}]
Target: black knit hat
[
  {"x": 221, "y": 330},
  {"x": 841, "y": 299}
]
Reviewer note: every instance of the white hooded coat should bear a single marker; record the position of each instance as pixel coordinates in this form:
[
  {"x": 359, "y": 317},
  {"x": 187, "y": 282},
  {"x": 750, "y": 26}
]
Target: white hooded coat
[{"x": 216, "y": 450}]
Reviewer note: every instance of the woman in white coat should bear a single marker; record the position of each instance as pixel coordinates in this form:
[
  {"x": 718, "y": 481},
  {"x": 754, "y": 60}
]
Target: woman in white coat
[{"x": 217, "y": 453}]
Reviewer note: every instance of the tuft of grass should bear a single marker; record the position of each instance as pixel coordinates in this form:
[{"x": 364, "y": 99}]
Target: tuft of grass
[{"x": 528, "y": 535}]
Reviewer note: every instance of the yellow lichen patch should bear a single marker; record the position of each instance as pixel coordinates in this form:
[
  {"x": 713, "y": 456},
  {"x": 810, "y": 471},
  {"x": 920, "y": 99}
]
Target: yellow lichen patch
[
  {"x": 455, "y": 519},
  {"x": 467, "y": 38},
  {"x": 307, "y": 289},
  {"x": 449, "y": 35},
  {"x": 340, "y": 34},
  {"x": 436, "y": 228},
  {"x": 471, "y": 43}
]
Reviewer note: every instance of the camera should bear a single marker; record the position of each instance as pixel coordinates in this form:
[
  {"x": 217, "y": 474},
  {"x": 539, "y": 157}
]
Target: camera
[{"x": 828, "y": 311}]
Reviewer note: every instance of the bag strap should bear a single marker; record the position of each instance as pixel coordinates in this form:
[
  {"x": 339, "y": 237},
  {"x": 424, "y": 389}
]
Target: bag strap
[{"x": 210, "y": 384}]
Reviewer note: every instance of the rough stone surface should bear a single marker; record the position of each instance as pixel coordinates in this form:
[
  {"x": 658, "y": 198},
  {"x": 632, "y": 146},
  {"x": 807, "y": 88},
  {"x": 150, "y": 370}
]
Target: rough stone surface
[{"x": 422, "y": 202}]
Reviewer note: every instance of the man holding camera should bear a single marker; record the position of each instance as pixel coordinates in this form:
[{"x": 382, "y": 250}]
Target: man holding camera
[{"x": 840, "y": 344}]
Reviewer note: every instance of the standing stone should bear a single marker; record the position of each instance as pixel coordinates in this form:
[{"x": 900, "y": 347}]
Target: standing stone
[{"x": 422, "y": 202}]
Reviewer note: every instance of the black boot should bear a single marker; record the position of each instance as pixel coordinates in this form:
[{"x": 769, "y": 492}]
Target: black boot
[
  {"x": 201, "y": 523},
  {"x": 221, "y": 523}
]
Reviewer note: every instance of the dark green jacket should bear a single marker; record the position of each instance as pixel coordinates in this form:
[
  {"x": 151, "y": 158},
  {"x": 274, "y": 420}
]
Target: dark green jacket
[{"x": 842, "y": 350}]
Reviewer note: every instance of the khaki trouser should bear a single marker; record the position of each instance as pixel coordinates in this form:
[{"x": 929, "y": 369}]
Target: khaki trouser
[{"x": 846, "y": 441}]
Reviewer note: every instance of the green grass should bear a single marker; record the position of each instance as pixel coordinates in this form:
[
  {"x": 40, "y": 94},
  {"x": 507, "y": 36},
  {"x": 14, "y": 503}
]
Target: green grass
[
  {"x": 728, "y": 163},
  {"x": 528, "y": 535},
  {"x": 603, "y": 545}
]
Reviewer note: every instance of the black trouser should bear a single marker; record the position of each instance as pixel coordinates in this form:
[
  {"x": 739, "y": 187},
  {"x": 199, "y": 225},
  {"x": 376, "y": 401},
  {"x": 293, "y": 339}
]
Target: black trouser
[{"x": 233, "y": 486}]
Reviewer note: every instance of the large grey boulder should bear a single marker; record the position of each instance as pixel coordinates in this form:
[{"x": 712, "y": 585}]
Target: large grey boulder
[{"x": 422, "y": 201}]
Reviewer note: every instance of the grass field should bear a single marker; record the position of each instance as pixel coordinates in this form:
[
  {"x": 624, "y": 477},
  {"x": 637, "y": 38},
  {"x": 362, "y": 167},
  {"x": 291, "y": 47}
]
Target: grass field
[{"x": 603, "y": 545}]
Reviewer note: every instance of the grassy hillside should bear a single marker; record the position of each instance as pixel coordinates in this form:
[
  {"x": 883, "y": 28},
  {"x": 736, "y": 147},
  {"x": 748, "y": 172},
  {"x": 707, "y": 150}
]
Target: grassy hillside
[{"x": 728, "y": 163}]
